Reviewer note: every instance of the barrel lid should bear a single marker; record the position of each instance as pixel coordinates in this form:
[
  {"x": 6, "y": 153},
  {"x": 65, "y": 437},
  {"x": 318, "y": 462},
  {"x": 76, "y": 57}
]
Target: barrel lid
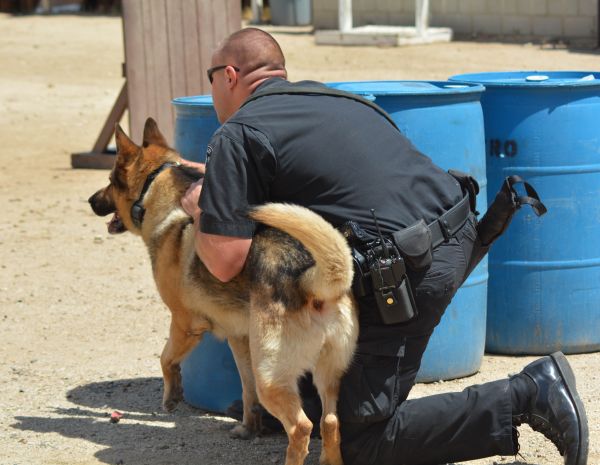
[
  {"x": 195, "y": 100},
  {"x": 391, "y": 88},
  {"x": 531, "y": 79}
]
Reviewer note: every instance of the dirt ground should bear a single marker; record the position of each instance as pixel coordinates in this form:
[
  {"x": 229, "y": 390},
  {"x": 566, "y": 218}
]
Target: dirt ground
[{"x": 81, "y": 325}]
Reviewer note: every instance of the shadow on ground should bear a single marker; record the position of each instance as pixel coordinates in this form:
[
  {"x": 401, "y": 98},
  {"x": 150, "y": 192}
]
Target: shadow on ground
[{"x": 147, "y": 436}]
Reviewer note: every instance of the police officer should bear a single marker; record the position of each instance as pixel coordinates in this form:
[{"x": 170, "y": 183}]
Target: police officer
[{"x": 342, "y": 159}]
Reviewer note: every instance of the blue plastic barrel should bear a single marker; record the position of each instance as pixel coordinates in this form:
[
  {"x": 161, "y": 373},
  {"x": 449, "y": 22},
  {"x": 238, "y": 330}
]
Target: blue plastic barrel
[
  {"x": 195, "y": 123},
  {"x": 544, "y": 288},
  {"x": 290, "y": 12},
  {"x": 444, "y": 121},
  {"x": 209, "y": 375}
]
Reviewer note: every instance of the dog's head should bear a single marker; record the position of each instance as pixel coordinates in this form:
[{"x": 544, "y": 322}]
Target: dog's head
[{"x": 133, "y": 165}]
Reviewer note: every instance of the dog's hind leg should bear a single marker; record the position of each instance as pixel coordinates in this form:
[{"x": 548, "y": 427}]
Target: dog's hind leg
[
  {"x": 283, "y": 402},
  {"x": 278, "y": 361},
  {"x": 326, "y": 377},
  {"x": 334, "y": 357},
  {"x": 251, "y": 423},
  {"x": 183, "y": 337}
]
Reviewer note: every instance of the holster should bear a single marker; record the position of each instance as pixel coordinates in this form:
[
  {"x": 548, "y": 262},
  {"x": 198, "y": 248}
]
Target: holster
[
  {"x": 500, "y": 213},
  {"x": 507, "y": 202}
]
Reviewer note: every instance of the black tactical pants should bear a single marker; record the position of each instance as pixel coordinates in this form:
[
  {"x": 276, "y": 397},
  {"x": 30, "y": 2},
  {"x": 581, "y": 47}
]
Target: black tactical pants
[{"x": 378, "y": 425}]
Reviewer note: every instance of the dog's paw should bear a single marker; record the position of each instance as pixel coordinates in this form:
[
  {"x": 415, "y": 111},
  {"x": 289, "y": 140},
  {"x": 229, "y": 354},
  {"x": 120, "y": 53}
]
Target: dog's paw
[
  {"x": 331, "y": 457},
  {"x": 171, "y": 401},
  {"x": 241, "y": 432},
  {"x": 170, "y": 405}
]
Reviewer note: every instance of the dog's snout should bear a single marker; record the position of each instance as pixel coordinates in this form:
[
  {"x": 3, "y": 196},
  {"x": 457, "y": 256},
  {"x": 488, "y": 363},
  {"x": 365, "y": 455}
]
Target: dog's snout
[{"x": 101, "y": 204}]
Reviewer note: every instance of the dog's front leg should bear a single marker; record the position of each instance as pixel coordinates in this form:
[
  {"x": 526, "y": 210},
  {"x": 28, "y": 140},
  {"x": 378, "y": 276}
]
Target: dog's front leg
[
  {"x": 183, "y": 337},
  {"x": 251, "y": 423}
]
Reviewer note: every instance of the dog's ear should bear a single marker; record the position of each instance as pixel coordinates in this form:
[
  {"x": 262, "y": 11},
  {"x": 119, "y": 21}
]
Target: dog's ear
[
  {"x": 152, "y": 135},
  {"x": 126, "y": 148}
]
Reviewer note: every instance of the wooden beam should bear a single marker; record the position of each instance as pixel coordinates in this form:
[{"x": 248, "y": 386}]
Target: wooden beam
[
  {"x": 100, "y": 157},
  {"x": 91, "y": 160},
  {"x": 114, "y": 117}
]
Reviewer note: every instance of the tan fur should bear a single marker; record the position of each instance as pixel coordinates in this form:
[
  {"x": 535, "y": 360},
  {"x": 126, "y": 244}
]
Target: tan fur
[
  {"x": 332, "y": 276},
  {"x": 310, "y": 326}
]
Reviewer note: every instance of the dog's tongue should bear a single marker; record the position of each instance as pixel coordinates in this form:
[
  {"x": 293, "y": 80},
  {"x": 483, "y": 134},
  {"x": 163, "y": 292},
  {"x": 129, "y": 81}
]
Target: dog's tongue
[{"x": 115, "y": 225}]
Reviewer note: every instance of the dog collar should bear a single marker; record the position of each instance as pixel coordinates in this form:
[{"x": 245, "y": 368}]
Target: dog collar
[{"x": 137, "y": 209}]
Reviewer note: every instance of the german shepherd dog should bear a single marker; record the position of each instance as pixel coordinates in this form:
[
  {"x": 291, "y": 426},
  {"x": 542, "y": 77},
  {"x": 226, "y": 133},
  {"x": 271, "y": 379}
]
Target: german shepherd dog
[{"x": 290, "y": 310}]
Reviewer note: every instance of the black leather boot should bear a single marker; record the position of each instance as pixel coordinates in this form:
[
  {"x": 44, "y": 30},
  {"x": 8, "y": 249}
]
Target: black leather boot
[{"x": 556, "y": 409}]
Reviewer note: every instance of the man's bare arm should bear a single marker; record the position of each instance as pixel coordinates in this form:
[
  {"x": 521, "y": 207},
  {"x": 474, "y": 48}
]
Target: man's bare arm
[{"x": 223, "y": 256}]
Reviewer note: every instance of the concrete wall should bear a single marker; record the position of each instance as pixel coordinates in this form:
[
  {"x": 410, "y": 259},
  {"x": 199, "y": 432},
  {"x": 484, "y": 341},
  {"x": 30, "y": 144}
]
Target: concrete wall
[{"x": 571, "y": 20}]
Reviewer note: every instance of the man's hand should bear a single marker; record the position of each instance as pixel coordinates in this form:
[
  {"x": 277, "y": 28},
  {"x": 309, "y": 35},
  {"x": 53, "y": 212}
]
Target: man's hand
[
  {"x": 189, "y": 202},
  {"x": 193, "y": 164}
]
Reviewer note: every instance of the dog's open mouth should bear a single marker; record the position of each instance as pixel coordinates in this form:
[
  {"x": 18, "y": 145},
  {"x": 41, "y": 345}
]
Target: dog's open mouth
[{"x": 115, "y": 225}]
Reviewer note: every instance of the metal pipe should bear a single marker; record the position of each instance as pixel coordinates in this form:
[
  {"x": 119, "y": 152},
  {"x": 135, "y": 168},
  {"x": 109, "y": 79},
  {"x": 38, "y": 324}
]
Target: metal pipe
[{"x": 345, "y": 15}]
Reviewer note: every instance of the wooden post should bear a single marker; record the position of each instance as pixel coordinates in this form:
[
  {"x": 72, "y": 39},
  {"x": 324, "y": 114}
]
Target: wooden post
[
  {"x": 345, "y": 15},
  {"x": 168, "y": 47}
]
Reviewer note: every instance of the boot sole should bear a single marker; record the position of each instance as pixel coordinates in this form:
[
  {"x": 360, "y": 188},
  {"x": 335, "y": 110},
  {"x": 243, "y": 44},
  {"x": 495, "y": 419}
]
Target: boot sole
[{"x": 569, "y": 377}]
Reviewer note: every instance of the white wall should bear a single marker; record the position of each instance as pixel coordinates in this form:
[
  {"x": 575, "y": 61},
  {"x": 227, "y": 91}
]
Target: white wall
[{"x": 571, "y": 20}]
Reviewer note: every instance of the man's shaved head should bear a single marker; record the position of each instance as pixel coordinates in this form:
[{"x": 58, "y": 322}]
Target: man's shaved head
[
  {"x": 251, "y": 50},
  {"x": 243, "y": 60}
]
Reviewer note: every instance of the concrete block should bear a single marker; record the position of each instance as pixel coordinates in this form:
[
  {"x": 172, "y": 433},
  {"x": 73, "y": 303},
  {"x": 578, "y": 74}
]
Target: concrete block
[
  {"x": 460, "y": 24},
  {"x": 325, "y": 19},
  {"x": 495, "y": 7},
  {"x": 509, "y": 7},
  {"x": 562, "y": 8},
  {"x": 532, "y": 7},
  {"x": 437, "y": 7},
  {"x": 516, "y": 25},
  {"x": 471, "y": 7},
  {"x": 325, "y": 5},
  {"x": 444, "y": 6},
  {"x": 547, "y": 27},
  {"x": 405, "y": 6},
  {"x": 398, "y": 18},
  {"x": 375, "y": 16},
  {"x": 361, "y": 5},
  {"x": 382, "y": 35},
  {"x": 588, "y": 7},
  {"x": 580, "y": 27},
  {"x": 487, "y": 24}
]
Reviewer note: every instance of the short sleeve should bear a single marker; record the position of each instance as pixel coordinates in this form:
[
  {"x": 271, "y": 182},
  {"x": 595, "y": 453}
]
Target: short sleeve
[{"x": 237, "y": 176}]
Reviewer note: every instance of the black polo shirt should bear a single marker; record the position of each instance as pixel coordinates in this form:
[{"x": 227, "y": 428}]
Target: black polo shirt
[{"x": 336, "y": 156}]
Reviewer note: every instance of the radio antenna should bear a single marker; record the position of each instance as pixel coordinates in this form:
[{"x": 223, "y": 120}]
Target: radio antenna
[{"x": 386, "y": 253}]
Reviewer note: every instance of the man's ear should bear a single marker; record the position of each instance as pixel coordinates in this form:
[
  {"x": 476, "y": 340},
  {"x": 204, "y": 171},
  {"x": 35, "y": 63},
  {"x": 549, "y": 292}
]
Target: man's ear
[
  {"x": 152, "y": 135},
  {"x": 126, "y": 148},
  {"x": 231, "y": 77}
]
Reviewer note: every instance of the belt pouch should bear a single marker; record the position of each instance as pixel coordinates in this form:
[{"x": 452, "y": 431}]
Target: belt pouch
[{"x": 414, "y": 244}]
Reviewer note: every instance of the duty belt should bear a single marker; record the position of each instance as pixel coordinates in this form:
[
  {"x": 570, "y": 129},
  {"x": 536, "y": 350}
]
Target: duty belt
[
  {"x": 450, "y": 222},
  {"x": 410, "y": 247}
]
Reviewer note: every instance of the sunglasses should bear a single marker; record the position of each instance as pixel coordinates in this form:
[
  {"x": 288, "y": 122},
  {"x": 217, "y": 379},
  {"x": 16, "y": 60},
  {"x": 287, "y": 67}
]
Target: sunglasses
[{"x": 211, "y": 71}]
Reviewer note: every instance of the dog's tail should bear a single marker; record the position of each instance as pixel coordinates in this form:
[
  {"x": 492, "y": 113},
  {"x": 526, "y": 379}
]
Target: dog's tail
[{"x": 333, "y": 273}]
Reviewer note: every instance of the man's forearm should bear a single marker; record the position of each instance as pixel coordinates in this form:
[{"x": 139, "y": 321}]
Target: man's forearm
[{"x": 223, "y": 256}]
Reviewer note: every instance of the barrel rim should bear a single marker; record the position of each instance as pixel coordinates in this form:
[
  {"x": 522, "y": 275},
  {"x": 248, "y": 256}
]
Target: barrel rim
[
  {"x": 440, "y": 88},
  {"x": 485, "y": 79},
  {"x": 193, "y": 100}
]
